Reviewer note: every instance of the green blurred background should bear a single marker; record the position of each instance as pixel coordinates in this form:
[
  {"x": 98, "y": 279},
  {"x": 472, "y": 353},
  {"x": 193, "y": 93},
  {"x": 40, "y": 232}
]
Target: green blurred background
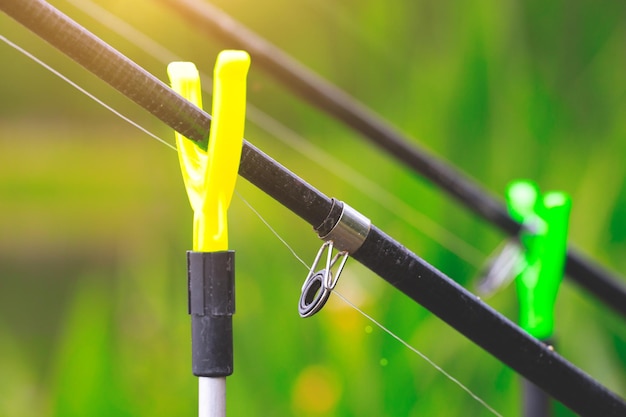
[{"x": 94, "y": 219}]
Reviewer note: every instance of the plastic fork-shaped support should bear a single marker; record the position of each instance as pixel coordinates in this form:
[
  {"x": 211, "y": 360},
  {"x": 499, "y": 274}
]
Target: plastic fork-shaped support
[
  {"x": 210, "y": 170},
  {"x": 544, "y": 240}
]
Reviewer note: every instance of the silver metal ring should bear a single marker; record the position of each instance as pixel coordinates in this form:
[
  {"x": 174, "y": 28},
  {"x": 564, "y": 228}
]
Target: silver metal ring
[{"x": 350, "y": 231}]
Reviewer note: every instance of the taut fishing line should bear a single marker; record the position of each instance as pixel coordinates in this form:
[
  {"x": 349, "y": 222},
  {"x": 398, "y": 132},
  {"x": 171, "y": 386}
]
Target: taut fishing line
[
  {"x": 289, "y": 137},
  {"x": 263, "y": 220},
  {"x": 420, "y": 354},
  {"x": 283, "y": 241},
  {"x": 377, "y": 323},
  {"x": 85, "y": 92}
]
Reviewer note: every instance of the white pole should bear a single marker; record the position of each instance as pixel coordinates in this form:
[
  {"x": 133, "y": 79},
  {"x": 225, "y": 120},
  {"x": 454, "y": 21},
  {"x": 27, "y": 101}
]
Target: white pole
[{"x": 212, "y": 397}]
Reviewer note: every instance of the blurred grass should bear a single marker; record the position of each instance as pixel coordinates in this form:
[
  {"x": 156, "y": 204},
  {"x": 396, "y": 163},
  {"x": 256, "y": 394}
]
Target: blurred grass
[{"x": 94, "y": 218}]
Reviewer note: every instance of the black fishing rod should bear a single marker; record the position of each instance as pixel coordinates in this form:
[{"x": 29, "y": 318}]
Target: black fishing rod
[
  {"x": 606, "y": 286},
  {"x": 377, "y": 251}
]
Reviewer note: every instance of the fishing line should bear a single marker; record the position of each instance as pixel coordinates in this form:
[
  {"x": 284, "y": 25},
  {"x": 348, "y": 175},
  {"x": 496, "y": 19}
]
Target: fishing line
[
  {"x": 420, "y": 354},
  {"x": 378, "y": 324},
  {"x": 384, "y": 198},
  {"x": 293, "y": 252},
  {"x": 265, "y": 222},
  {"x": 85, "y": 92}
]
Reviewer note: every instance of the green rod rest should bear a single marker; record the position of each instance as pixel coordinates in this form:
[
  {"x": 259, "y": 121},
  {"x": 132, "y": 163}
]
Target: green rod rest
[{"x": 544, "y": 241}]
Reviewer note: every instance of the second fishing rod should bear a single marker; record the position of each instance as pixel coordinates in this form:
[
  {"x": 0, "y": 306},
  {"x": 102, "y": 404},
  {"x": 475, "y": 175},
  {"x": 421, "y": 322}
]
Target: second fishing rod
[{"x": 606, "y": 286}]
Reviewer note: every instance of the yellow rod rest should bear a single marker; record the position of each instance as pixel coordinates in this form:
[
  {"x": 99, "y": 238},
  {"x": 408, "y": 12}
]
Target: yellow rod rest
[{"x": 210, "y": 175}]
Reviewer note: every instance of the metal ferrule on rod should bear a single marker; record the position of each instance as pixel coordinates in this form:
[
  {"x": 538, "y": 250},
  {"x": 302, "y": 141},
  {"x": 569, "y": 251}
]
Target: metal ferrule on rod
[{"x": 349, "y": 231}]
